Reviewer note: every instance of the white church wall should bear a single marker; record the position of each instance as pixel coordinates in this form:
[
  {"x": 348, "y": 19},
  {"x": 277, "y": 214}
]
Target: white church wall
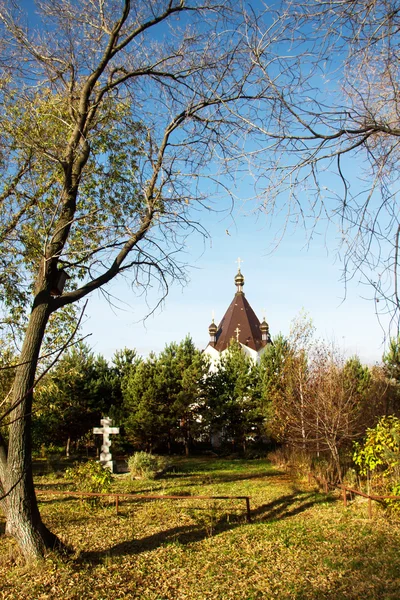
[{"x": 215, "y": 356}]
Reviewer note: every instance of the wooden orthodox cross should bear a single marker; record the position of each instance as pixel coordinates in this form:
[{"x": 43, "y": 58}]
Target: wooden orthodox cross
[{"x": 237, "y": 331}]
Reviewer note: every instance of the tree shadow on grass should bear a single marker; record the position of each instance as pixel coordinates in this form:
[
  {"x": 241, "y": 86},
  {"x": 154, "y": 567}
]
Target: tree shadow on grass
[
  {"x": 212, "y": 465},
  {"x": 288, "y": 506},
  {"x": 203, "y": 479},
  {"x": 264, "y": 471},
  {"x": 282, "y": 508},
  {"x": 221, "y": 477}
]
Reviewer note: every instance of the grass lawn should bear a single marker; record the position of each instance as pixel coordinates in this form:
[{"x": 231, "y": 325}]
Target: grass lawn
[{"x": 301, "y": 544}]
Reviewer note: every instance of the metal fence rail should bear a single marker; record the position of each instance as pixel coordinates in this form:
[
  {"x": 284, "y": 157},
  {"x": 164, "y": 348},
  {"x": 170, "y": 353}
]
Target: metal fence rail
[
  {"x": 119, "y": 495},
  {"x": 345, "y": 490}
]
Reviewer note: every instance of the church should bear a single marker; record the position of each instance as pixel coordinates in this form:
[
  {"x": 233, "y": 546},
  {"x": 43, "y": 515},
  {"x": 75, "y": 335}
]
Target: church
[{"x": 239, "y": 323}]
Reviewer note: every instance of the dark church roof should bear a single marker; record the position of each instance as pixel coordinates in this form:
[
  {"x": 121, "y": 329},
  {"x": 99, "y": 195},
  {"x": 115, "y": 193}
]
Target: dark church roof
[{"x": 239, "y": 323}]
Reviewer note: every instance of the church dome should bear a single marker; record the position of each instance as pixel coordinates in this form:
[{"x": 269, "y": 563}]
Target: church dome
[
  {"x": 264, "y": 327},
  {"x": 213, "y": 329},
  {"x": 239, "y": 281}
]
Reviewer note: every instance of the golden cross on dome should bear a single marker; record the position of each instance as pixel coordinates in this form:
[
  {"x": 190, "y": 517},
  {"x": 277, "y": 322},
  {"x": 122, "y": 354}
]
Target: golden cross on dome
[
  {"x": 237, "y": 331},
  {"x": 239, "y": 262}
]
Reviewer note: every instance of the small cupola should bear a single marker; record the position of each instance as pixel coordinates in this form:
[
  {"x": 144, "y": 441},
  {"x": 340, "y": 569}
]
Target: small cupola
[
  {"x": 212, "y": 330},
  {"x": 264, "y": 328}
]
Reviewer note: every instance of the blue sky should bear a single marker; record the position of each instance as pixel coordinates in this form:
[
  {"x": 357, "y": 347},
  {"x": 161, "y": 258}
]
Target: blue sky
[{"x": 293, "y": 277}]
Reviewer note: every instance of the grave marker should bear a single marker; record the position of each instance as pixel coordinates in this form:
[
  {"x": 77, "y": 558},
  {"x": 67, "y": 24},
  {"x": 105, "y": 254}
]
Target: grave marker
[{"x": 106, "y": 456}]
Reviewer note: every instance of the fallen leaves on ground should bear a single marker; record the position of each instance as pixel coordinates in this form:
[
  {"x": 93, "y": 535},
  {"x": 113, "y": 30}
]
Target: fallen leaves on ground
[{"x": 300, "y": 545}]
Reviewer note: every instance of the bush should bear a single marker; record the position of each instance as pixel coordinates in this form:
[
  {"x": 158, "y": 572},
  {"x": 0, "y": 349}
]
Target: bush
[
  {"x": 378, "y": 458},
  {"x": 381, "y": 448},
  {"x": 146, "y": 466},
  {"x": 90, "y": 476}
]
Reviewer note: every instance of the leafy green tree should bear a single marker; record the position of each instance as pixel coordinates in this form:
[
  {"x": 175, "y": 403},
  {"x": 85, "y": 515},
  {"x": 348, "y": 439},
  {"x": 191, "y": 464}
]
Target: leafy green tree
[
  {"x": 184, "y": 369},
  {"x": 162, "y": 396},
  {"x": 273, "y": 384},
  {"x": 107, "y": 112},
  {"x": 144, "y": 404},
  {"x": 123, "y": 364},
  {"x": 365, "y": 384},
  {"x": 391, "y": 359},
  {"x": 72, "y": 398},
  {"x": 124, "y": 361},
  {"x": 233, "y": 398},
  {"x": 357, "y": 377}
]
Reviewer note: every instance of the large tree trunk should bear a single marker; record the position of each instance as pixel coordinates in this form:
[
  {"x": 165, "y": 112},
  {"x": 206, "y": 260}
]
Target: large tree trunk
[
  {"x": 23, "y": 518},
  {"x": 187, "y": 446}
]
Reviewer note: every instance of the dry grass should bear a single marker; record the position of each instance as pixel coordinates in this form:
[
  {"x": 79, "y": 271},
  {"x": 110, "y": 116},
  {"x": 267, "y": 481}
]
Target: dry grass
[{"x": 301, "y": 544}]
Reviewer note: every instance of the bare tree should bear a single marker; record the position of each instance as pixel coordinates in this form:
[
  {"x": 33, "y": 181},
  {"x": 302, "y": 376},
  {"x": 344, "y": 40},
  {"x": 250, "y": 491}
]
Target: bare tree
[
  {"x": 320, "y": 407},
  {"x": 333, "y": 132},
  {"x": 322, "y": 402},
  {"x": 111, "y": 113}
]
